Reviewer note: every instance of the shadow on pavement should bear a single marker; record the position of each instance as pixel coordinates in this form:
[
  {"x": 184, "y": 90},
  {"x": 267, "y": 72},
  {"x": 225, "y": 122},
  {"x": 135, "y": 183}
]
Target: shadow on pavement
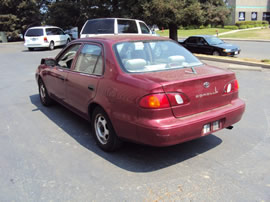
[{"x": 131, "y": 157}]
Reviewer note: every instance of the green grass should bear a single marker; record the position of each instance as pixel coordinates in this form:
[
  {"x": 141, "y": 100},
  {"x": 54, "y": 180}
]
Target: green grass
[
  {"x": 266, "y": 61},
  {"x": 190, "y": 32},
  {"x": 250, "y": 34}
]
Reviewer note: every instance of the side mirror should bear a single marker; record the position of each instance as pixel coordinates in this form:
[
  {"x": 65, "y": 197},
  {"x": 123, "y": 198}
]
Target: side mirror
[{"x": 48, "y": 62}]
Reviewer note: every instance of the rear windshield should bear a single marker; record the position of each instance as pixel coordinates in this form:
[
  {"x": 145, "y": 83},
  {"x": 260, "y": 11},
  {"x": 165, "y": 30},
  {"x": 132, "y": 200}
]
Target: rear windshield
[
  {"x": 150, "y": 56},
  {"x": 99, "y": 26},
  {"x": 34, "y": 32}
]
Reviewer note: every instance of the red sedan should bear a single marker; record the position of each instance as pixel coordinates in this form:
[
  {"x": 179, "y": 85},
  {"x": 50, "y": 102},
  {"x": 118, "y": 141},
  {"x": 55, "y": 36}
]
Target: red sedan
[{"x": 144, "y": 89}]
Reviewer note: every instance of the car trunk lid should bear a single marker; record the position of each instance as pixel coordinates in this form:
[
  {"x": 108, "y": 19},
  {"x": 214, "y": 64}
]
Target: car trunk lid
[{"x": 204, "y": 90}]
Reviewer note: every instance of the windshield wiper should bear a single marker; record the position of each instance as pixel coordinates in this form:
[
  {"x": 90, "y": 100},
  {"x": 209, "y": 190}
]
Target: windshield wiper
[{"x": 193, "y": 70}]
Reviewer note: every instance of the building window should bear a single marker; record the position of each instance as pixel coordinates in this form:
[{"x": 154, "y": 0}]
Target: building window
[
  {"x": 266, "y": 16},
  {"x": 254, "y": 16},
  {"x": 242, "y": 16}
]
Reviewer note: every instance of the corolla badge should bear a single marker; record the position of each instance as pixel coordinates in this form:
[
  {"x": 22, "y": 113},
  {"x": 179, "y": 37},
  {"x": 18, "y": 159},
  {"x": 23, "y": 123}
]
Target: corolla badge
[{"x": 206, "y": 84}]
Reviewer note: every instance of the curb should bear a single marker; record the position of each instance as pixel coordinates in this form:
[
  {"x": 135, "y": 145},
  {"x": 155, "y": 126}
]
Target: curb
[
  {"x": 249, "y": 40},
  {"x": 253, "y": 65}
]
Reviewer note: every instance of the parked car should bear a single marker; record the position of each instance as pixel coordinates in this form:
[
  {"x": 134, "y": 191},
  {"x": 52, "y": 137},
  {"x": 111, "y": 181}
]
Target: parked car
[
  {"x": 207, "y": 44},
  {"x": 112, "y": 26},
  {"x": 45, "y": 37},
  {"x": 144, "y": 89}
]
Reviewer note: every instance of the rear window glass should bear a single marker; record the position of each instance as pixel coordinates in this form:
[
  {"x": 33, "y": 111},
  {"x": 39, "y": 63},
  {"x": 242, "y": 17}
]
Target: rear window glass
[
  {"x": 54, "y": 31},
  {"x": 127, "y": 26},
  {"x": 150, "y": 56},
  {"x": 102, "y": 26},
  {"x": 144, "y": 28},
  {"x": 34, "y": 32}
]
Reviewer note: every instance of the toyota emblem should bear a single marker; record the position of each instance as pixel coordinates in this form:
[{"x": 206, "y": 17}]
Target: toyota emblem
[{"x": 206, "y": 84}]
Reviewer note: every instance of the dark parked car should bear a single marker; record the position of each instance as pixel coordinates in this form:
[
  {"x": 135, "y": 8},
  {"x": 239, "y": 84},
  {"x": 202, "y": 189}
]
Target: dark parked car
[
  {"x": 144, "y": 89},
  {"x": 207, "y": 44}
]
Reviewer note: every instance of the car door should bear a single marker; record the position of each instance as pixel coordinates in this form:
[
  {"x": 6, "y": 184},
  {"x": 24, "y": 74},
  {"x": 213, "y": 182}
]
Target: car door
[
  {"x": 62, "y": 36},
  {"x": 83, "y": 81},
  {"x": 203, "y": 47},
  {"x": 191, "y": 44},
  {"x": 57, "y": 76}
]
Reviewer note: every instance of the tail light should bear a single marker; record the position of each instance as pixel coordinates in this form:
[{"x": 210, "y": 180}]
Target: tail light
[
  {"x": 45, "y": 39},
  {"x": 162, "y": 100},
  {"x": 231, "y": 87}
]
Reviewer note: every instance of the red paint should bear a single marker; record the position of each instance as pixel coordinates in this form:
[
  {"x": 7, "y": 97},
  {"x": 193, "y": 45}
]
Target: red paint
[{"x": 120, "y": 95}]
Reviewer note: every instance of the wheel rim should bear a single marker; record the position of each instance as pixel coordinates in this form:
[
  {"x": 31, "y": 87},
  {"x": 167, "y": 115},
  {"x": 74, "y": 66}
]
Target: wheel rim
[
  {"x": 101, "y": 128},
  {"x": 216, "y": 53},
  {"x": 51, "y": 45},
  {"x": 42, "y": 91}
]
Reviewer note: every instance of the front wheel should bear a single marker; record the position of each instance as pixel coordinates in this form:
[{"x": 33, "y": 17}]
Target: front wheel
[
  {"x": 43, "y": 94},
  {"x": 103, "y": 131}
]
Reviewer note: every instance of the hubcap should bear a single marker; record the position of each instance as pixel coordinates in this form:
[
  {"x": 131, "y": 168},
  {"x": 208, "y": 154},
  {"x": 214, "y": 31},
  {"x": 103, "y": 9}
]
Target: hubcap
[
  {"x": 101, "y": 129},
  {"x": 42, "y": 92}
]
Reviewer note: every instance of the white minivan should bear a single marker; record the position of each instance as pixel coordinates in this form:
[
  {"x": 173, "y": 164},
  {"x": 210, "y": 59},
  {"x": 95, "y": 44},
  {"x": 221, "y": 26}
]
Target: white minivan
[
  {"x": 46, "y": 37},
  {"x": 109, "y": 26}
]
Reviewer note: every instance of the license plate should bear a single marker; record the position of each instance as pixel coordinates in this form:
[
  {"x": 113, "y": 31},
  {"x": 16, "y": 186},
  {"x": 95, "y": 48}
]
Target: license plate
[{"x": 33, "y": 39}]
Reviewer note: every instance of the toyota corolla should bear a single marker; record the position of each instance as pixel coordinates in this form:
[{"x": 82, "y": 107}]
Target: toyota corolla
[{"x": 144, "y": 89}]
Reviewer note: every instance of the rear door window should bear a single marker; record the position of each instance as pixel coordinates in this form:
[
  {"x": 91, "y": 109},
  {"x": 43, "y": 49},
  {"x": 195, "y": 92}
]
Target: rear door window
[
  {"x": 144, "y": 28},
  {"x": 127, "y": 26},
  {"x": 34, "y": 32},
  {"x": 192, "y": 40},
  {"x": 99, "y": 26},
  {"x": 90, "y": 60}
]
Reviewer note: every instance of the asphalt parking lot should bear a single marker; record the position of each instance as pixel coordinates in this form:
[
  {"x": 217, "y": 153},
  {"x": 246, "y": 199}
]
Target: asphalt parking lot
[{"x": 48, "y": 154}]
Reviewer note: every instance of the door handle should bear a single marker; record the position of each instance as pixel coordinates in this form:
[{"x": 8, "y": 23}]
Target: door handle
[
  {"x": 91, "y": 87},
  {"x": 61, "y": 78}
]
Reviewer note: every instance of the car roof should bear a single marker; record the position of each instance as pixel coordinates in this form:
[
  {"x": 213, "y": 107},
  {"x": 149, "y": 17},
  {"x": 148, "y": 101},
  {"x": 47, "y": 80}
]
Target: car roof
[
  {"x": 121, "y": 38},
  {"x": 204, "y": 36},
  {"x": 46, "y": 26},
  {"x": 113, "y": 19}
]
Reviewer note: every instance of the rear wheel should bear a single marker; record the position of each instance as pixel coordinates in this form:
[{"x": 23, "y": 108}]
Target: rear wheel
[
  {"x": 43, "y": 94},
  {"x": 103, "y": 131},
  {"x": 51, "y": 45},
  {"x": 30, "y": 49},
  {"x": 216, "y": 53}
]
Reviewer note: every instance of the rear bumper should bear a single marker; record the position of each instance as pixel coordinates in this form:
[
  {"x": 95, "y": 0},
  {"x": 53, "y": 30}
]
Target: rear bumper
[
  {"x": 177, "y": 130},
  {"x": 43, "y": 45}
]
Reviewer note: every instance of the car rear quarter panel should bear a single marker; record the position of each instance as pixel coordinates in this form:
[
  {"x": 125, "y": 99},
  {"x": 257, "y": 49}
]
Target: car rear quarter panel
[{"x": 119, "y": 93}]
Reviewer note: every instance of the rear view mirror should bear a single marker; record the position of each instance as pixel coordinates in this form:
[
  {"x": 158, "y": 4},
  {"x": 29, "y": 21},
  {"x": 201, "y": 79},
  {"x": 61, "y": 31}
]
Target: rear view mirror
[{"x": 48, "y": 62}]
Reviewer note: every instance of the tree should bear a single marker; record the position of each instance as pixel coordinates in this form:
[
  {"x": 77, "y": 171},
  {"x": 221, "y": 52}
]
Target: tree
[
  {"x": 173, "y": 13},
  {"x": 215, "y": 12},
  {"x": 17, "y": 15}
]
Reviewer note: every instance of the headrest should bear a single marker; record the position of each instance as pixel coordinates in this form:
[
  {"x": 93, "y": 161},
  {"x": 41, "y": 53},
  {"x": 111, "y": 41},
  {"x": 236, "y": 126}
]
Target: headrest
[
  {"x": 135, "y": 64},
  {"x": 177, "y": 58}
]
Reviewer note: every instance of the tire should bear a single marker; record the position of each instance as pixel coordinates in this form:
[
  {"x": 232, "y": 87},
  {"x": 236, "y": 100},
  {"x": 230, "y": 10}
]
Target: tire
[
  {"x": 30, "y": 49},
  {"x": 43, "y": 94},
  {"x": 51, "y": 45},
  {"x": 216, "y": 53},
  {"x": 103, "y": 131},
  {"x": 68, "y": 40}
]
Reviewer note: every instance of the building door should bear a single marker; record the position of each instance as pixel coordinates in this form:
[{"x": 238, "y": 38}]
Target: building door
[{"x": 266, "y": 16}]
